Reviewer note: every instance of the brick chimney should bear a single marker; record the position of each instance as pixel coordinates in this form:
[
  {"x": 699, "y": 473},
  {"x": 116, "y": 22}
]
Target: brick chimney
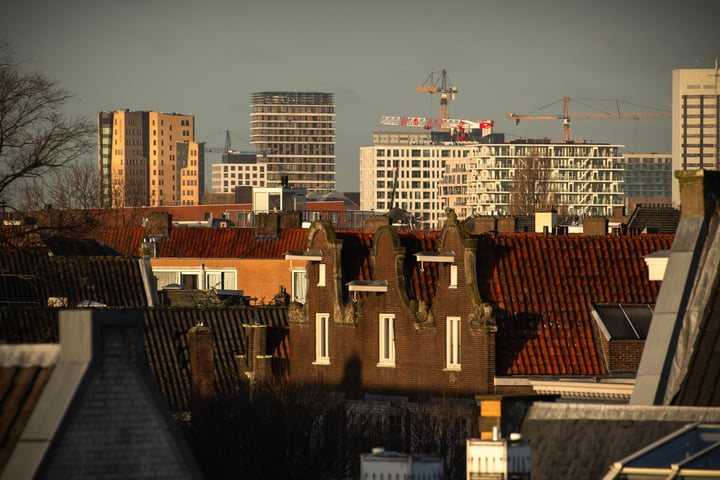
[
  {"x": 507, "y": 224},
  {"x": 291, "y": 219},
  {"x": 159, "y": 224},
  {"x": 482, "y": 224},
  {"x": 373, "y": 222},
  {"x": 595, "y": 226},
  {"x": 259, "y": 363},
  {"x": 699, "y": 192},
  {"x": 201, "y": 346},
  {"x": 267, "y": 224}
]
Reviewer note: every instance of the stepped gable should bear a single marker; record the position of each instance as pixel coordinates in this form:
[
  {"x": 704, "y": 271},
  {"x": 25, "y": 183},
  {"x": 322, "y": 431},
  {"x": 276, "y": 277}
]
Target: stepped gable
[
  {"x": 203, "y": 242},
  {"x": 653, "y": 219},
  {"x": 166, "y": 346},
  {"x": 357, "y": 261},
  {"x": 111, "y": 280},
  {"x": 422, "y": 281},
  {"x": 541, "y": 287}
]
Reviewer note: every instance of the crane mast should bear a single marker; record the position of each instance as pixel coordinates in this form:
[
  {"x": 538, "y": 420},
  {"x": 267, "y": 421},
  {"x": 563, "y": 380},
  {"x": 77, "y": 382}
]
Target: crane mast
[{"x": 440, "y": 82}]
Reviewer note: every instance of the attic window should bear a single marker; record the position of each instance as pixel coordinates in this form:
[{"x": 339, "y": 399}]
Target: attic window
[{"x": 623, "y": 321}]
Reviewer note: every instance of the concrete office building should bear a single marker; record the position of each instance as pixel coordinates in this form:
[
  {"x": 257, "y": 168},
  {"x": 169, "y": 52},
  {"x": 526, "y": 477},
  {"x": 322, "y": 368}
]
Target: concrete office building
[
  {"x": 296, "y": 130},
  {"x": 149, "y": 158},
  {"x": 647, "y": 179},
  {"x": 403, "y": 170},
  {"x": 238, "y": 170},
  {"x": 695, "y": 126}
]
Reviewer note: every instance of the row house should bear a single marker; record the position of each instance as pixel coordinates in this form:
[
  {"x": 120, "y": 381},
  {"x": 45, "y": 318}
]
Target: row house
[
  {"x": 388, "y": 312},
  {"x": 393, "y": 312}
]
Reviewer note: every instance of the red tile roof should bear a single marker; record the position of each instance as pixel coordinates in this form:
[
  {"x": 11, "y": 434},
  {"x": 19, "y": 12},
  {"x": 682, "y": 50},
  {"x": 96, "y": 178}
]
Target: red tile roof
[
  {"x": 203, "y": 242},
  {"x": 541, "y": 287}
]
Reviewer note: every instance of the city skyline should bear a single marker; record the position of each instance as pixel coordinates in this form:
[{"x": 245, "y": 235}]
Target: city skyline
[{"x": 207, "y": 59}]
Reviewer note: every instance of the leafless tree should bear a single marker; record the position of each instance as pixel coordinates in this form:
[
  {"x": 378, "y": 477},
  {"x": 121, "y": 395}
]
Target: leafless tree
[
  {"x": 73, "y": 186},
  {"x": 531, "y": 185},
  {"x": 35, "y": 136}
]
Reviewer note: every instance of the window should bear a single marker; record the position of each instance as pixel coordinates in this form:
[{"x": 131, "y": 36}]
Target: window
[
  {"x": 322, "y": 355},
  {"x": 453, "y": 343},
  {"x": 321, "y": 275},
  {"x": 453, "y": 276},
  {"x": 299, "y": 285},
  {"x": 387, "y": 340}
]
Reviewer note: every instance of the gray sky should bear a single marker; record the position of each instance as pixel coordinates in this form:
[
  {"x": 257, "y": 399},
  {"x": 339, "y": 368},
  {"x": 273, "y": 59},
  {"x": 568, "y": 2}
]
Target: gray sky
[{"x": 207, "y": 58}]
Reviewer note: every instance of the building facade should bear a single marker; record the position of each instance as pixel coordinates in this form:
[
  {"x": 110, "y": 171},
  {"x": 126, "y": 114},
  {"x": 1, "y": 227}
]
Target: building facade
[
  {"x": 695, "y": 126},
  {"x": 404, "y": 170},
  {"x": 647, "y": 178},
  {"x": 149, "y": 158},
  {"x": 238, "y": 170},
  {"x": 296, "y": 131},
  {"x": 413, "y": 172},
  {"x": 579, "y": 178}
]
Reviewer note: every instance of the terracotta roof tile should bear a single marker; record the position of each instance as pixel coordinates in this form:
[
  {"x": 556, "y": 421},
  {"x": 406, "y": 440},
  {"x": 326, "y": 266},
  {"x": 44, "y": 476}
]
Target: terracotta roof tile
[
  {"x": 203, "y": 242},
  {"x": 541, "y": 287}
]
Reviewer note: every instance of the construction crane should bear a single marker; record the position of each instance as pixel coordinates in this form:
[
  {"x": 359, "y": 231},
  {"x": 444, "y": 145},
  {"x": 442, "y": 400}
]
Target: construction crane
[
  {"x": 227, "y": 148},
  {"x": 440, "y": 82},
  {"x": 456, "y": 124},
  {"x": 567, "y": 116}
]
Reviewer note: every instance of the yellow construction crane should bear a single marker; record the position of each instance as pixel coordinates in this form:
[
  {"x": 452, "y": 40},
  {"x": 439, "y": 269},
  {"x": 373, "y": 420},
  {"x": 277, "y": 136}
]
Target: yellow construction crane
[
  {"x": 440, "y": 82},
  {"x": 567, "y": 116}
]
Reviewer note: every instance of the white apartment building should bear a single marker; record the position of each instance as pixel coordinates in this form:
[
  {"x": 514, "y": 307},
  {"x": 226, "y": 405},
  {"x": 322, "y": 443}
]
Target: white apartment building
[
  {"x": 407, "y": 170},
  {"x": 582, "y": 178},
  {"x": 238, "y": 170},
  {"x": 695, "y": 125},
  {"x": 403, "y": 170}
]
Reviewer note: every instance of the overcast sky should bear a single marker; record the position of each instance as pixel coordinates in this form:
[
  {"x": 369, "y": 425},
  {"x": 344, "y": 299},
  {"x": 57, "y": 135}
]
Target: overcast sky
[{"x": 206, "y": 58}]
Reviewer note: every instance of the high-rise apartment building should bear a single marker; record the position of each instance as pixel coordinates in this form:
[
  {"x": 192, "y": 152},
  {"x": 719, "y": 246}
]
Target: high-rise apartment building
[
  {"x": 411, "y": 171},
  {"x": 695, "y": 125},
  {"x": 296, "y": 132},
  {"x": 149, "y": 158}
]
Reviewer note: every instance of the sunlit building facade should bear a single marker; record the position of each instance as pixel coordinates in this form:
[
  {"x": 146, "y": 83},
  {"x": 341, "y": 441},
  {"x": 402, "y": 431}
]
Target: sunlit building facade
[
  {"x": 149, "y": 158},
  {"x": 695, "y": 125}
]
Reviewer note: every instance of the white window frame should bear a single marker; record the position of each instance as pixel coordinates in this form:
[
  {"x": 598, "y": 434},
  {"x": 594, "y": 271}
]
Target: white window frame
[
  {"x": 322, "y": 336},
  {"x": 453, "y": 343},
  {"x": 453, "y": 276},
  {"x": 299, "y": 285},
  {"x": 321, "y": 275},
  {"x": 386, "y": 340}
]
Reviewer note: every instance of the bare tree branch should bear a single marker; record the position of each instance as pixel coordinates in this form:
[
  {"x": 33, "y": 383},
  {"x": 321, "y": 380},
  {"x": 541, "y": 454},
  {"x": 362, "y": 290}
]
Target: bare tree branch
[
  {"x": 531, "y": 186},
  {"x": 35, "y": 137}
]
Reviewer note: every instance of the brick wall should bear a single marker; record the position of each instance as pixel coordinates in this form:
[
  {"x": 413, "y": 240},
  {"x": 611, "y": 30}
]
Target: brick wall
[
  {"x": 622, "y": 355},
  {"x": 420, "y": 339}
]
